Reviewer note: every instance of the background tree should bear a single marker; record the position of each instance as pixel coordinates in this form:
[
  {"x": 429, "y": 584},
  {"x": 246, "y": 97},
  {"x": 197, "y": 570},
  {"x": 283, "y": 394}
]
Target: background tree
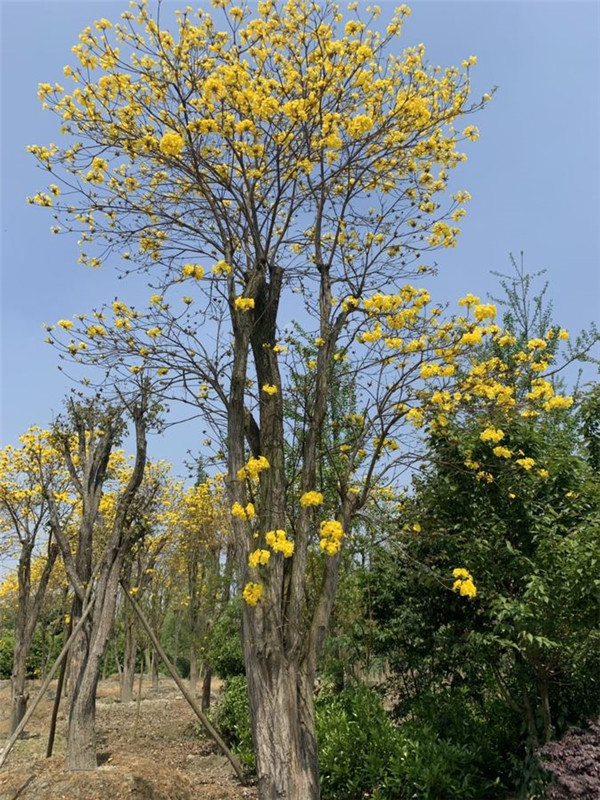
[
  {"x": 26, "y": 474},
  {"x": 86, "y": 437}
]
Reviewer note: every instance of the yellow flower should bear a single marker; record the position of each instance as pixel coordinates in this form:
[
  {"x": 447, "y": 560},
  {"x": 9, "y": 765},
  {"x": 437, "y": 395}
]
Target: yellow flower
[
  {"x": 252, "y": 593},
  {"x": 253, "y": 468},
  {"x": 464, "y": 584},
  {"x": 526, "y": 463},
  {"x": 491, "y": 435},
  {"x": 278, "y": 541},
  {"x": 311, "y": 499},
  {"x": 193, "y": 271},
  {"x": 258, "y": 557},
  {"x": 65, "y": 323},
  {"x": 502, "y": 452},
  {"x": 536, "y": 344},
  {"x": 270, "y": 389},
  {"x": 238, "y": 510},
  {"x": 244, "y": 303},
  {"x": 171, "y": 144},
  {"x": 331, "y": 533},
  {"x": 221, "y": 268},
  {"x": 558, "y": 401},
  {"x": 359, "y": 125}
]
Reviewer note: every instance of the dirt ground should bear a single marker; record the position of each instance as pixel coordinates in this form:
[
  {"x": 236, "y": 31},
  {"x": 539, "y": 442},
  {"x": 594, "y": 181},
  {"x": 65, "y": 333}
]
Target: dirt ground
[{"x": 160, "y": 758}]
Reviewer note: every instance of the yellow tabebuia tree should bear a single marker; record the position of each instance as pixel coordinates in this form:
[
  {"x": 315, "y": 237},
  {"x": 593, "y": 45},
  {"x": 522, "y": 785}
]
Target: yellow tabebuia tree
[
  {"x": 256, "y": 163},
  {"x": 27, "y": 473}
]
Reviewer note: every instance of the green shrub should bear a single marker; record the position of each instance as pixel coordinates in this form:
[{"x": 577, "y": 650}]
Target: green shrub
[
  {"x": 231, "y": 715},
  {"x": 7, "y": 646},
  {"x": 225, "y": 647},
  {"x": 357, "y": 740}
]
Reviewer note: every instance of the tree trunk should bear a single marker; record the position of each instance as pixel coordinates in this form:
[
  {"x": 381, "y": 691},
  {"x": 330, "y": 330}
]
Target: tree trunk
[
  {"x": 281, "y": 699},
  {"x": 193, "y": 667},
  {"x": 19, "y": 694},
  {"x": 206, "y": 685},
  {"x": 129, "y": 659},
  {"x": 81, "y": 741},
  {"x": 154, "y": 671}
]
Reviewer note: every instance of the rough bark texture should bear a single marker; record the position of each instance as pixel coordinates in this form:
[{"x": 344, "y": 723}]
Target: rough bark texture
[
  {"x": 284, "y": 733},
  {"x": 81, "y": 741},
  {"x": 206, "y": 685},
  {"x": 129, "y": 660}
]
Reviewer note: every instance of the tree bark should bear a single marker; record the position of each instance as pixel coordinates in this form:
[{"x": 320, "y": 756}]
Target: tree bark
[
  {"x": 155, "y": 674},
  {"x": 281, "y": 699},
  {"x": 193, "y": 667},
  {"x": 81, "y": 741},
  {"x": 129, "y": 660},
  {"x": 206, "y": 685}
]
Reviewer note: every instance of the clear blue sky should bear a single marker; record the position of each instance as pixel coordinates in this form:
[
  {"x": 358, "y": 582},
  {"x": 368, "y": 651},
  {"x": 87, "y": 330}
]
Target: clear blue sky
[{"x": 534, "y": 174}]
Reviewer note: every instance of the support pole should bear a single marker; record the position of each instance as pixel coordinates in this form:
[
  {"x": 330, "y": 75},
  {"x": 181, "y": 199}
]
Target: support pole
[
  {"x": 208, "y": 726},
  {"x": 18, "y": 730}
]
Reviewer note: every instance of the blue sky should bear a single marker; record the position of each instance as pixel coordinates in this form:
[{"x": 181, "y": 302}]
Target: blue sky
[{"x": 534, "y": 175}]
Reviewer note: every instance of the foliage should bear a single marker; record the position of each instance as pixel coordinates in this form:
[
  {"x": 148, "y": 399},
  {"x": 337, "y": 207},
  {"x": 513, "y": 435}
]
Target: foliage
[
  {"x": 7, "y": 646},
  {"x": 225, "y": 649},
  {"x": 232, "y": 717}
]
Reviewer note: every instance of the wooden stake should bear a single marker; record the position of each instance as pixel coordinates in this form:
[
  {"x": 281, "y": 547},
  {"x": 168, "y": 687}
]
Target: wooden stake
[
  {"x": 18, "y": 730},
  {"x": 207, "y": 724}
]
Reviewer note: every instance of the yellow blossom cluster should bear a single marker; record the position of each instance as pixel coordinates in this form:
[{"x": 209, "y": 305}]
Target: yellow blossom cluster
[
  {"x": 240, "y": 512},
  {"x": 191, "y": 111},
  {"x": 171, "y": 144},
  {"x": 492, "y": 435},
  {"x": 463, "y": 583},
  {"x": 244, "y": 303},
  {"x": 311, "y": 499},
  {"x": 253, "y": 468},
  {"x": 193, "y": 271},
  {"x": 258, "y": 558},
  {"x": 278, "y": 541},
  {"x": 330, "y": 534},
  {"x": 252, "y": 593}
]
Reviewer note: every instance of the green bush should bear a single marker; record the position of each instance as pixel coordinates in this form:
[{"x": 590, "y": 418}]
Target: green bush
[
  {"x": 357, "y": 740},
  {"x": 231, "y": 715},
  {"x": 225, "y": 647},
  {"x": 7, "y": 646},
  {"x": 449, "y": 750}
]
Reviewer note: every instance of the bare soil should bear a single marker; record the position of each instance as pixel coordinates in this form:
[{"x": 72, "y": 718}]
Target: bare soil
[{"x": 161, "y": 757}]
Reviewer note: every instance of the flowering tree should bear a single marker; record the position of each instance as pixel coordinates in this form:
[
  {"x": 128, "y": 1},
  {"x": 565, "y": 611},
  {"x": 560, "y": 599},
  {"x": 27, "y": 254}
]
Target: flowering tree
[
  {"x": 295, "y": 152},
  {"x": 26, "y": 473},
  {"x": 86, "y": 438}
]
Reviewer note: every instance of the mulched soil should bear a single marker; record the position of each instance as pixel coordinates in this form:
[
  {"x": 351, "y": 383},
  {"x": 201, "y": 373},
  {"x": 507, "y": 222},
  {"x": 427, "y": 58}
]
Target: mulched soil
[{"x": 162, "y": 757}]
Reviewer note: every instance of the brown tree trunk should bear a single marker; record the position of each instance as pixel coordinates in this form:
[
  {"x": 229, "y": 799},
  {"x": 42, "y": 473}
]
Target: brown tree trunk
[
  {"x": 281, "y": 699},
  {"x": 129, "y": 659},
  {"x": 206, "y": 685},
  {"x": 154, "y": 671},
  {"x": 193, "y": 667},
  {"x": 81, "y": 741},
  {"x": 19, "y": 694}
]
